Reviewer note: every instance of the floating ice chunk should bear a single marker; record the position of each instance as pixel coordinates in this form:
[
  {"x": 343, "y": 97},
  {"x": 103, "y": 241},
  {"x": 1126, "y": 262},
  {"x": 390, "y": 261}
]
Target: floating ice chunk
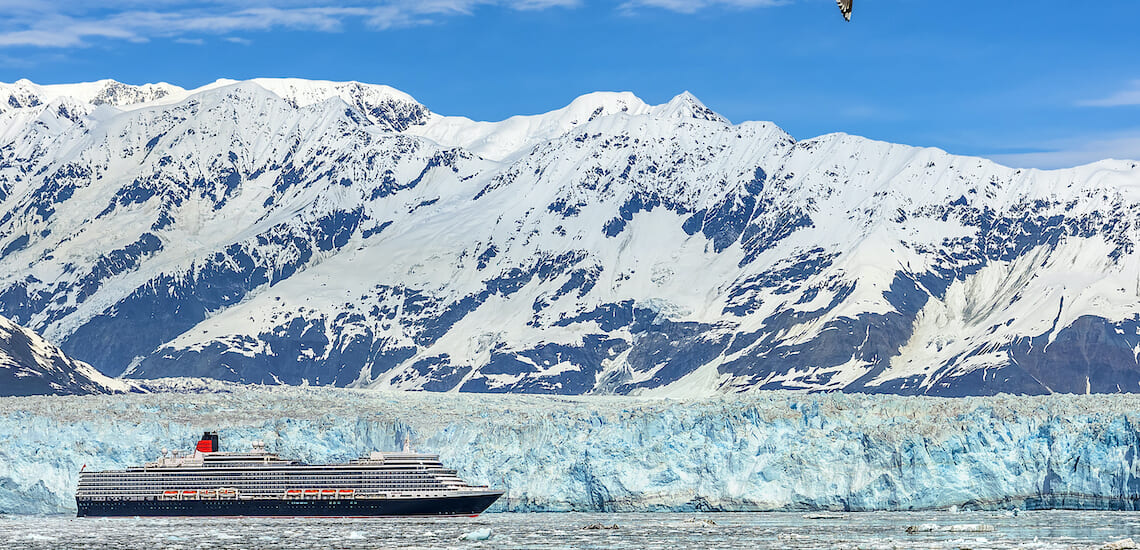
[
  {"x": 825, "y": 516},
  {"x": 355, "y": 535},
  {"x": 962, "y": 528},
  {"x": 1120, "y": 545},
  {"x": 792, "y": 537},
  {"x": 700, "y": 521},
  {"x": 478, "y": 534},
  {"x": 601, "y": 526},
  {"x": 953, "y": 509}
]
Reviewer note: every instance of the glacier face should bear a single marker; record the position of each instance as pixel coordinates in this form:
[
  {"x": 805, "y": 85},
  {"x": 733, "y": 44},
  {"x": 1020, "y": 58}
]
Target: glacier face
[
  {"x": 308, "y": 232},
  {"x": 762, "y": 451}
]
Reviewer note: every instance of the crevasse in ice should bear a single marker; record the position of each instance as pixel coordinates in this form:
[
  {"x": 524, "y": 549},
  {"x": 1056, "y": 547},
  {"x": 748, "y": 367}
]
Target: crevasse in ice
[{"x": 765, "y": 451}]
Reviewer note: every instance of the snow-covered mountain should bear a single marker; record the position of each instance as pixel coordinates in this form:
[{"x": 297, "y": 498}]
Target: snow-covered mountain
[
  {"x": 29, "y": 365},
  {"x": 289, "y": 231}
]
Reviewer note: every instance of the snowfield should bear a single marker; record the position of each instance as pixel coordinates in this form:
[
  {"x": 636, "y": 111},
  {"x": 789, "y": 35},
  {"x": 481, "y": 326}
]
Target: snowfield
[
  {"x": 284, "y": 231},
  {"x": 761, "y": 451}
]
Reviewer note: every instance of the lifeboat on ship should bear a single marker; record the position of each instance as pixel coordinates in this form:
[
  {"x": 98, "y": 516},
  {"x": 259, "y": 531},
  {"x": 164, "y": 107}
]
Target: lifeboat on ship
[{"x": 213, "y": 482}]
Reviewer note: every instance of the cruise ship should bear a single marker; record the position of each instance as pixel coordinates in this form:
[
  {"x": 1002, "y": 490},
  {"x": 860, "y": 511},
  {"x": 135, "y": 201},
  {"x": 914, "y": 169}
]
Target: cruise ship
[{"x": 209, "y": 482}]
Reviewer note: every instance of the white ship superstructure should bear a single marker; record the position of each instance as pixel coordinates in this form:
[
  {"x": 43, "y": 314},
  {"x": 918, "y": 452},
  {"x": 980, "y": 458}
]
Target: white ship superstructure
[{"x": 265, "y": 481}]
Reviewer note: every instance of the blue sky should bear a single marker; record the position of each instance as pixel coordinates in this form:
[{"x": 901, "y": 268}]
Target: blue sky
[{"x": 1046, "y": 83}]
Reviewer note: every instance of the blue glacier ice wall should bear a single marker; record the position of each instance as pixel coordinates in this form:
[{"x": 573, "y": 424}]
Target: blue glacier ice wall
[{"x": 769, "y": 451}]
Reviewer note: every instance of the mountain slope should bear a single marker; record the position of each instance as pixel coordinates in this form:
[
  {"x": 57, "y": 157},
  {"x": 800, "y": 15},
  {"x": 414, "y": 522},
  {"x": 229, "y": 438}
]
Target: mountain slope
[
  {"x": 286, "y": 231},
  {"x": 29, "y": 365}
]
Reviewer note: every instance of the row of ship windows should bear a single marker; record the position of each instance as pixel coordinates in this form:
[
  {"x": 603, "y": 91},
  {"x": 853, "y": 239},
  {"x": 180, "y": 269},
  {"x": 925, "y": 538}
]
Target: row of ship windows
[
  {"x": 249, "y": 494},
  {"x": 254, "y": 488},
  {"x": 277, "y": 492},
  {"x": 340, "y": 480},
  {"x": 261, "y": 468},
  {"x": 259, "y": 463},
  {"x": 105, "y": 481},
  {"x": 263, "y": 472},
  {"x": 213, "y": 467},
  {"x": 262, "y": 484},
  {"x": 218, "y": 479},
  {"x": 301, "y": 481},
  {"x": 274, "y": 475}
]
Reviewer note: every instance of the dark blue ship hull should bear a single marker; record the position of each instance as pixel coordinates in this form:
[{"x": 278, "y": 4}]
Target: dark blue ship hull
[{"x": 466, "y": 505}]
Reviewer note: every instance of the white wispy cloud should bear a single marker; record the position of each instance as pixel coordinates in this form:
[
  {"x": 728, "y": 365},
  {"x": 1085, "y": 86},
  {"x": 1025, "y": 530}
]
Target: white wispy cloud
[
  {"x": 1075, "y": 152},
  {"x": 693, "y": 6},
  {"x": 1130, "y": 95},
  {"x": 66, "y": 23}
]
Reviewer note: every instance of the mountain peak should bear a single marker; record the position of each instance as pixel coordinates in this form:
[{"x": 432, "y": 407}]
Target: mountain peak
[
  {"x": 382, "y": 105},
  {"x": 589, "y": 106},
  {"x": 25, "y": 93},
  {"x": 500, "y": 140},
  {"x": 305, "y": 92},
  {"x": 686, "y": 105}
]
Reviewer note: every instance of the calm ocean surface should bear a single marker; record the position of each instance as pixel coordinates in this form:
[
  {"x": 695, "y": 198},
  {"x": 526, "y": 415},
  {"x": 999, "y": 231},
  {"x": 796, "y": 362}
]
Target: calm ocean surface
[{"x": 666, "y": 531}]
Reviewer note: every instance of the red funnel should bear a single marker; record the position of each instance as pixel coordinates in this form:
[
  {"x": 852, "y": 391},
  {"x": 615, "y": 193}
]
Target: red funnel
[{"x": 208, "y": 443}]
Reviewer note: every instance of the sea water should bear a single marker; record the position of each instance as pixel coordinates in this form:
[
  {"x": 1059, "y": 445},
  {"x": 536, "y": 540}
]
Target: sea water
[{"x": 751, "y": 531}]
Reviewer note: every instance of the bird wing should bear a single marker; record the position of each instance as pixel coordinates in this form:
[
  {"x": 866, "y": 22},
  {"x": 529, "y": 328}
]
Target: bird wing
[{"x": 845, "y": 7}]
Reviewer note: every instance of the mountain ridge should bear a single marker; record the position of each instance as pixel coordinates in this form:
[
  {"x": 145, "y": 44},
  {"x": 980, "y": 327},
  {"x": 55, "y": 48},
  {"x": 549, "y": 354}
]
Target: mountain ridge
[
  {"x": 640, "y": 249},
  {"x": 29, "y": 365}
]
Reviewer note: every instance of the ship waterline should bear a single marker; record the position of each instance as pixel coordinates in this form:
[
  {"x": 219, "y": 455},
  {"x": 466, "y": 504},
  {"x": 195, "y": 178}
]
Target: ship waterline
[{"x": 259, "y": 483}]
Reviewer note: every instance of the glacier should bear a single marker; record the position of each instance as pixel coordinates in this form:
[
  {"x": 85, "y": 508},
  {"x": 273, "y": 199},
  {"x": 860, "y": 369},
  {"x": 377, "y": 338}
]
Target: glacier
[{"x": 759, "y": 451}]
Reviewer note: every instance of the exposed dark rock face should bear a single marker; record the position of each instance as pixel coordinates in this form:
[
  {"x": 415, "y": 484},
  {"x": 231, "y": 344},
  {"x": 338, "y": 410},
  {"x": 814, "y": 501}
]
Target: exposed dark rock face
[
  {"x": 29, "y": 365},
  {"x": 292, "y": 232}
]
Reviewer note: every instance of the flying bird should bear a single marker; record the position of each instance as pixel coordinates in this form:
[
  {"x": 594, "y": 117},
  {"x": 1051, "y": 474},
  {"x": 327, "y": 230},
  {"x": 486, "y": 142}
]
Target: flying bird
[{"x": 845, "y": 8}]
